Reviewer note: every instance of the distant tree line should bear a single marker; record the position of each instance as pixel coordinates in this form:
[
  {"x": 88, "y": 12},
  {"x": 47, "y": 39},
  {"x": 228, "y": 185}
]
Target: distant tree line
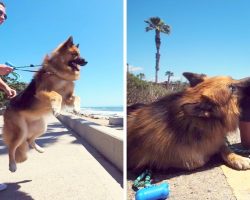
[{"x": 142, "y": 91}]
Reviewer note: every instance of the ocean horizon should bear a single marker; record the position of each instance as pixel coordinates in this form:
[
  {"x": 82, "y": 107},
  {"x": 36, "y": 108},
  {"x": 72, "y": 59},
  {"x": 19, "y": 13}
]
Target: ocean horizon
[{"x": 106, "y": 111}]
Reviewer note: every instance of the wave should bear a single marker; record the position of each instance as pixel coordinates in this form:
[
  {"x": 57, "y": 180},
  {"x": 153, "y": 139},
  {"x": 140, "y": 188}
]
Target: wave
[{"x": 103, "y": 111}]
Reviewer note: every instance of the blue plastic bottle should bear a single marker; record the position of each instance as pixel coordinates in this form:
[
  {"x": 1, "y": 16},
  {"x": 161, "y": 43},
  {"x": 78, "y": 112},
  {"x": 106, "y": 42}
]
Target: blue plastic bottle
[{"x": 153, "y": 192}]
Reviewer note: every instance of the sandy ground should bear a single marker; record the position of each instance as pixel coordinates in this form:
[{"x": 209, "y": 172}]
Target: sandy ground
[
  {"x": 101, "y": 121},
  {"x": 207, "y": 183}
]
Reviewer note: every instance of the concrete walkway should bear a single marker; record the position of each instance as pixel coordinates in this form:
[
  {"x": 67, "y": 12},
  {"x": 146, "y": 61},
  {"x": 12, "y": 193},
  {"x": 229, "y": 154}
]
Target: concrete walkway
[{"x": 69, "y": 169}]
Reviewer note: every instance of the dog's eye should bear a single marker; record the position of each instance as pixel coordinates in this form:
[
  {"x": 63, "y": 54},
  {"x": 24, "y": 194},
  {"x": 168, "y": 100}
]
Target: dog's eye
[
  {"x": 75, "y": 54},
  {"x": 232, "y": 88}
]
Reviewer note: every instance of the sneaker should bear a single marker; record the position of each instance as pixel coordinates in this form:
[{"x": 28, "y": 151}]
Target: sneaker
[{"x": 2, "y": 186}]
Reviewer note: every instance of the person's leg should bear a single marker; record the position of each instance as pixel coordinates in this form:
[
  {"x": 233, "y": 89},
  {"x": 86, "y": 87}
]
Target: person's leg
[
  {"x": 245, "y": 134},
  {"x": 2, "y": 186},
  {"x": 244, "y": 124}
]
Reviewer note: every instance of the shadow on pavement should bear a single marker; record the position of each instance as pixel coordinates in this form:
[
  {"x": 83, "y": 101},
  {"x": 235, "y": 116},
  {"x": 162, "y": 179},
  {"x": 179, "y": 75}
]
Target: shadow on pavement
[
  {"x": 49, "y": 138},
  {"x": 117, "y": 127},
  {"x": 159, "y": 176},
  {"x": 12, "y": 192},
  {"x": 108, "y": 166}
]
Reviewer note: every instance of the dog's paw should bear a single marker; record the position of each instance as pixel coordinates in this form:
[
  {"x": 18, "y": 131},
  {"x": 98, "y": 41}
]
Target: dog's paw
[
  {"x": 37, "y": 147},
  {"x": 56, "y": 103},
  {"x": 12, "y": 167},
  {"x": 56, "y": 108},
  {"x": 239, "y": 162}
]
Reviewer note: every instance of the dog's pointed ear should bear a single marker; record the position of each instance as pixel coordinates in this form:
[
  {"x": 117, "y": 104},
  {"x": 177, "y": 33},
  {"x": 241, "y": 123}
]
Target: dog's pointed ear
[
  {"x": 46, "y": 59},
  {"x": 77, "y": 46},
  {"x": 201, "y": 109},
  {"x": 69, "y": 41},
  {"x": 67, "y": 44},
  {"x": 194, "y": 79}
]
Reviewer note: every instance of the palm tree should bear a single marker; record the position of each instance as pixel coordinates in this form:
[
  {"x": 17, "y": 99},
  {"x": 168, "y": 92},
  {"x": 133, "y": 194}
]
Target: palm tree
[
  {"x": 160, "y": 27},
  {"x": 169, "y": 74},
  {"x": 141, "y": 76}
]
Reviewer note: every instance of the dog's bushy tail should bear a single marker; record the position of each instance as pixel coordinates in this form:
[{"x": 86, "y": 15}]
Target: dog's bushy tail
[{"x": 21, "y": 152}]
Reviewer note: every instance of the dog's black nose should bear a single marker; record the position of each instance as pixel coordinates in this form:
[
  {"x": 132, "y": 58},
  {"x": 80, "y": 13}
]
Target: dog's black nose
[
  {"x": 81, "y": 61},
  {"x": 84, "y": 63}
]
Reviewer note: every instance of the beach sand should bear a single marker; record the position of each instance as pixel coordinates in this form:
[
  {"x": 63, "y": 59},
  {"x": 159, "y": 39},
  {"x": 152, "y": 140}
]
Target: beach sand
[{"x": 104, "y": 121}]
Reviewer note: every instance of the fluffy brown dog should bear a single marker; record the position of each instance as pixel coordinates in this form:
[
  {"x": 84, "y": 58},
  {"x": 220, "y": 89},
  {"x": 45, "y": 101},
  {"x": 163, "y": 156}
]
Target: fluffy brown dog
[
  {"x": 183, "y": 130},
  {"x": 51, "y": 88}
]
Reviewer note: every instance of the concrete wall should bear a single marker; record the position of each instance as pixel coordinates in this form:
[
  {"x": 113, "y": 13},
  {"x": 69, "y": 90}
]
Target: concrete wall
[{"x": 108, "y": 141}]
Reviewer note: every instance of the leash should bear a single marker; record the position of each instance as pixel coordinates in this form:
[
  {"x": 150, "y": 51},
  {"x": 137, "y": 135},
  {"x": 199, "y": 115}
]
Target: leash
[
  {"x": 20, "y": 67},
  {"x": 238, "y": 149},
  {"x": 149, "y": 191},
  {"x": 26, "y": 70},
  {"x": 140, "y": 183}
]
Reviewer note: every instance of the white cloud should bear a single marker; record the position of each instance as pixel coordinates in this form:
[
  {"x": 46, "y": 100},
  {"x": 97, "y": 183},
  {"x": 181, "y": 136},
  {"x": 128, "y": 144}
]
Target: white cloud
[{"x": 133, "y": 68}]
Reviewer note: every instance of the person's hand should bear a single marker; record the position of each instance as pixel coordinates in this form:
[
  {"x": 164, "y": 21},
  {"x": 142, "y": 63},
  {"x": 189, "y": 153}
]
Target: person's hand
[
  {"x": 10, "y": 92},
  {"x": 4, "y": 69}
]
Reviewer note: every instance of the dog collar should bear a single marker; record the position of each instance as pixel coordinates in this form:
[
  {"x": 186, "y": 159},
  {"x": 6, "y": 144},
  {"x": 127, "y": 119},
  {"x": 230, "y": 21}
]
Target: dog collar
[{"x": 48, "y": 72}]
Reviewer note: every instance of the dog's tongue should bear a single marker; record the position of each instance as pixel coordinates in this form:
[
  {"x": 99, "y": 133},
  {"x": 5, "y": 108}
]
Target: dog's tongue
[{"x": 74, "y": 63}]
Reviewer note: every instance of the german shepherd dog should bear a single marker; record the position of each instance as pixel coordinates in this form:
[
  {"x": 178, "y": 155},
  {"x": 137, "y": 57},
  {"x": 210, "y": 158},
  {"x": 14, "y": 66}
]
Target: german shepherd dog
[
  {"x": 183, "y": 130},
  {"x": 51, "y": 88}
]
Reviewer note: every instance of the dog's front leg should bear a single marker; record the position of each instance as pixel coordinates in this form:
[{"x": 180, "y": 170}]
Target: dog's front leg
[
  {"x": 69, "y": 100},
  {"x": 52, "y": 99},
  {"x": 234, "y": 160},
  {"x": 74, "y": 102}
]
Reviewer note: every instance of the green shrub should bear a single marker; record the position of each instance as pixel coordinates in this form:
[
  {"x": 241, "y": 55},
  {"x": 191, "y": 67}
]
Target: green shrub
[
  {"x": 14, "y": 84},
  {"x": 139, "y": 91}
]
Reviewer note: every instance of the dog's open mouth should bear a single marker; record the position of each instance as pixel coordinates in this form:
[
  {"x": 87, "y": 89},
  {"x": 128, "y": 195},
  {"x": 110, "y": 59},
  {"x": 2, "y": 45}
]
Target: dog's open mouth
[{"x": 76, "y": 63}]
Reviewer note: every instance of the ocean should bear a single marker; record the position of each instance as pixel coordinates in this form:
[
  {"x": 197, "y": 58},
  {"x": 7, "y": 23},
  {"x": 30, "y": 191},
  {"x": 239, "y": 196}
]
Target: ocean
[{"x": 103, "y": 111}]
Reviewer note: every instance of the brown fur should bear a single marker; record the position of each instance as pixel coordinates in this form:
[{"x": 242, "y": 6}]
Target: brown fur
[
  {"x": 183, "y": 130},
  {"x": 51, "y": 88}
]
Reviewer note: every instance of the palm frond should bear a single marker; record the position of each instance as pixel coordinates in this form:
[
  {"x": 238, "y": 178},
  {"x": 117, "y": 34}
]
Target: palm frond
[
  {"x": 155, "y": 20},
  {"x": 148, "y": 28},
  {"x": 166, "y": 29},
  {"x": 158, "y": 24}
]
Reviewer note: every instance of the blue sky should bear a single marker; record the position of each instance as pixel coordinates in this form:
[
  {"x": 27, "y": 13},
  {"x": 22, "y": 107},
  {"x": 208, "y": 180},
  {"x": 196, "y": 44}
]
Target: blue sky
[
  {"x": 35, "y": 28},
  {"x": 207, "y": 36}
]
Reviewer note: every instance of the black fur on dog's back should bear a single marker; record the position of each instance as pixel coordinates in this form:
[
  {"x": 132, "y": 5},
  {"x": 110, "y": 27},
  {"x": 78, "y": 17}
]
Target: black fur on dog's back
[
  {"x": 24, "y": 99},
  {"x": 134, "y": 107}
]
